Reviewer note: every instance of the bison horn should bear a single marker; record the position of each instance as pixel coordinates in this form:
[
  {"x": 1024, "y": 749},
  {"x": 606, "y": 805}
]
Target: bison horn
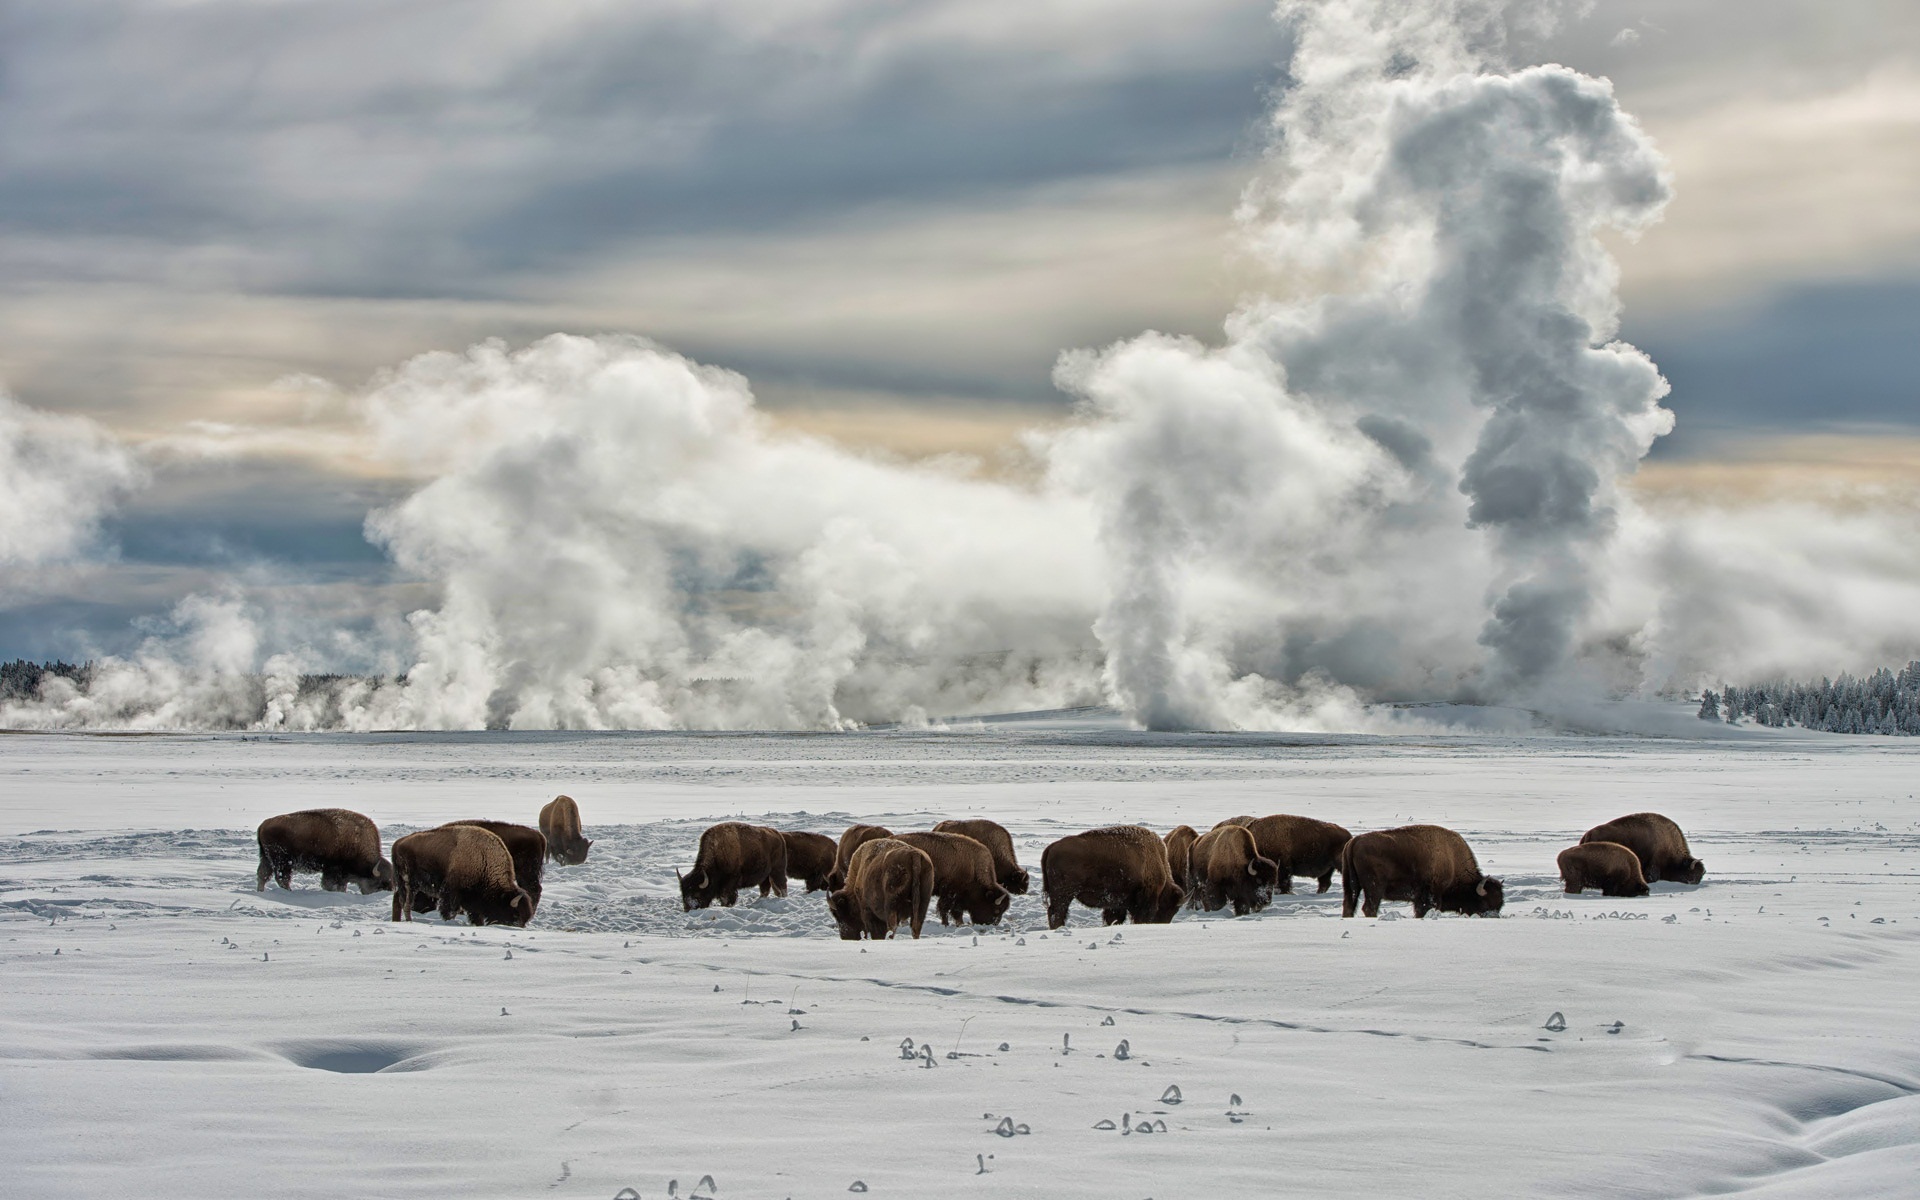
[
  {"x": 702, "y": 881},
  {"x": 1482, "y": 889},
  {"x": 677, "y": 875}
]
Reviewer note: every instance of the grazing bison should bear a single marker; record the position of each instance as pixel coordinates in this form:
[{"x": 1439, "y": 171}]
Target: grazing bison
[
  {"x": 999, "y": 843},
  {"x": 849, "y": 842},
  {"x": 1120, "y": 870},
  {"x": 734, "y": 856},
  {"x": 1179, "y": 842},
  {"x": 1297, "y": 845},
  {"x": 963, "y": 878},
  {"x": 1431, "y": 866},
  {"x": 342, "y": 845},
  {"x": 1226, "y": 868},
  {"x": 1657, "y": 842},
  {"x": 560, "y": 825},
  {"x": 810, "y": 858},
  {"x": 1609, "y": 866},
  {"x": 526, "y": 847},
  {"x": 466, "y": 869},
  {"x": 888, "y": 881}
]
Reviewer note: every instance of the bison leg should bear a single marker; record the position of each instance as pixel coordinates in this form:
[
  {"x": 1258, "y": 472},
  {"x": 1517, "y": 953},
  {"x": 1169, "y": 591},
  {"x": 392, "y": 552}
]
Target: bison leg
[
  {"x": 1057, "y": 907},
  {"x": 1326, "y": 881},
  {"x": 1422, "y": 904},
  {"x": 1371, "y": 907},
  {"x": 1349, "y": 894},
  {"x": 332, "y": 881},
  {"x": 402, "y": 903},
  {"x": 265, "y": 873}
]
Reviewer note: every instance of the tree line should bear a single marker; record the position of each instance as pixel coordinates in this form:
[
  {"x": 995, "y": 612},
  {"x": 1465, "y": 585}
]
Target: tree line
[{"x": 1886, "y": 702}]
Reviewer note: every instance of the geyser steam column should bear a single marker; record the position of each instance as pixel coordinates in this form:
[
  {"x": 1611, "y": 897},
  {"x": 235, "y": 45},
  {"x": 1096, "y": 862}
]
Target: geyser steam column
[{"x": 1468, "y": 343}]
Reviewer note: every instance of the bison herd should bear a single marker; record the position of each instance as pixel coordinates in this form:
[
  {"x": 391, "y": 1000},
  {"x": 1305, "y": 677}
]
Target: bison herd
[{"x": 876, "y": 879}]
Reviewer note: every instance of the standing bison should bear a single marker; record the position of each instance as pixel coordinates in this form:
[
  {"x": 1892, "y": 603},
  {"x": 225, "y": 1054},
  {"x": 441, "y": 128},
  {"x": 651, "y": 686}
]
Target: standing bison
[
  {"x": 1431, "y": 866},
  {"x": 810, "y": 858},
  {"x": 888, "y": 881},
  {"x": 1226, "y": 868},
  {"x": 963, "y": 878},
  {"x": 1609, "y": 866},
  {"x": 560, "y": 825},
  {"x": 526, "y": 847},
  {"x": 999, "y": 843},
  {"x": 1657, "y": 842},
  {"x": 343, "y": 846},
  {"x": 1179, "y": 843},
  {"x": 850, "y": 841},
  {"x": 1120, "y": 870},
  {"x": 734, "y": 856},
  {"x": 1297, "y": 845},
  {"x": 466, "y": 869}
]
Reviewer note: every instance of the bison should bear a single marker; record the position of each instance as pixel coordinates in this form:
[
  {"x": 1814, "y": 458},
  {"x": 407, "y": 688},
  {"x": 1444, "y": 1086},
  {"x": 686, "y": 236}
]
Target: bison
[
  {"x": 1657, "y": 842},
  {"x": 1120, "y": 870},
  {"x": 466, "y": 868},
  {"x": 963, "y": 878},
  {"x": 810, "y": 858},
  {"x": 849, "y": 842},
  {"x": 1609, "y": 866},
  {"x": 1297, "y": 845},
  {"x": 526, "y": 847},
  {"x": 1179, "y": 842},
  {"x": 1226, "y": 868},
  {"x": 1431, "y": 866},
  {"x": 888, "y": 881},
  {"x": 734, "y": 856},
  {"x": 343, "y": 846},
  {"x": 560, "y": 825},
  {"x": 999, "y": 843}
]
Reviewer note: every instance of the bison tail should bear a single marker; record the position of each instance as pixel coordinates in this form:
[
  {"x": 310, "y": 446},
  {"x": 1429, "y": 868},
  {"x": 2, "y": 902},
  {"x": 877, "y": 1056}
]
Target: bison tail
[
  {"x": 922, "y": 895},
  {"x": 1349, "y": 885}
]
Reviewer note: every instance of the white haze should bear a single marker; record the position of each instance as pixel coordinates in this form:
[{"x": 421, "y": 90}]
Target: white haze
[
  {"x": 1407, "y": 487},
  {"x": 59, "y": 477}
]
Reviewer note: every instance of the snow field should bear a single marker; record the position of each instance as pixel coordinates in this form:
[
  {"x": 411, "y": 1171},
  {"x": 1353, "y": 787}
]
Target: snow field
[{"x": 195, "y": 1038}]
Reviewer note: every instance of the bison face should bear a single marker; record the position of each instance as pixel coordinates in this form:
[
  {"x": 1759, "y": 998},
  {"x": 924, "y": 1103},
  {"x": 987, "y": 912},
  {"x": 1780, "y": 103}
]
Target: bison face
[
  {"x": 1265, "y": 872},
  {"x": 1171, "y": 898},
  {"x": 382, "y": 880},
  {"x": 696, "y": 890},
  {"x": 1486, "y": 898},
  {"x": 997, "y": 904},
  {"x": 845, "y": 915},
  {"x": 1019, "y": 882},
  {"x": 1694, "y": 871}
]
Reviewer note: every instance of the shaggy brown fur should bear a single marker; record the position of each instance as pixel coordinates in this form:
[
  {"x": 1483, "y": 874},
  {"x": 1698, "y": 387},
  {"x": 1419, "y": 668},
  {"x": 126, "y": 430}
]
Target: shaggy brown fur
[
  {"x": 992, "y": 835},
  {"x": 1120, "y": 870},
  {"x": 1657, "y": 842},
  {"x": 1609, "y": 866},
  {"x": 849, "y": 842},
  {"x": 528, "y": 849},
  {"x": 1180, "y": 840},
  {"x": 734, "y": 856},
  {"x": 810, "y": 858},
  {"x": 888, "y": 881},
  {"x": 1226, "y": 868},
  {"x": 1431, "y": 866},
  {"x": 560, "y": 825},
  {"x": 343, "y": 846},
  {"x": 1297, "y": 845},
  {"x": 963, "y": 878},
  {"x": 466, "y": 868}
]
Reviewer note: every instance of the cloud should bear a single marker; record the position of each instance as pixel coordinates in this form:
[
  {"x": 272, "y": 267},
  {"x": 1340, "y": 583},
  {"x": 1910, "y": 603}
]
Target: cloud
[{"x": 59, "y": 478}]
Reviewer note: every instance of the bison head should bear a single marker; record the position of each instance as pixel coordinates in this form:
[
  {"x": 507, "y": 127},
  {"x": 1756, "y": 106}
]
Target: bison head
[
  {"x": 1693, "y": 871},
  {"x": 696, "y": 890},
  {"x": 997, "y": 902},
  {"x": 382, "y": 880},
  {"x": 846, "y": 915},
  {"x": 1019, "y": 882},
  {"x": 1265, "y": 871},
  {"x": 1486, "y": 898},
  {"x": 1171, "y": 898}
]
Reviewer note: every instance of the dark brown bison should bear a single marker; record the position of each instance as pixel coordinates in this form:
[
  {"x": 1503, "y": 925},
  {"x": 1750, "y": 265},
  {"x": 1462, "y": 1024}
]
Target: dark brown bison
[
  {"x": 963, "y": 878},
  {"x": 810, "y": 858},
  {"x": 560, "y": 825},
  {"x": 734, "y": 856},
  {"x": 999, "y": 843},
  {"x": 528, "y": 849},
  {"x": 1297, "y": 845},
  {"x": 888, "y": 881},
  {"x": 1657, "y": 842},
  {"x": 1120, "y": 870},
  {"x": 1179, "y": 842},
  {"x": 1226, "y": 868},
  {"x": 343, "y": 846},
  {"x": 1609, "y": 866},
  {"x": 466, "y": 869},
  {"x": 849, "y": 842},
  {"x": 1431, "y": 866}
]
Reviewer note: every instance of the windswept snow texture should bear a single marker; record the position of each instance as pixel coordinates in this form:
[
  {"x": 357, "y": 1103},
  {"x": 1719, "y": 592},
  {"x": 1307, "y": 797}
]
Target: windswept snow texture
[{"x": 167, "y": 1031}]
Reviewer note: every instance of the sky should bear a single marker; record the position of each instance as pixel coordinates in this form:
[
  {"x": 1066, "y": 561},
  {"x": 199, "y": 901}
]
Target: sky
[{"x": 221, "y": 219}]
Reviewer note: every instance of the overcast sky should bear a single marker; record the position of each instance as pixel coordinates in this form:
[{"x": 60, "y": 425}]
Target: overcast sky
[{"x": 891, "y": 217}]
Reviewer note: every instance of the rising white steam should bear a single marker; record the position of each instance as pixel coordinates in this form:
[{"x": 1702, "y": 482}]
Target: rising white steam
[
  {"x": 59, "y": 476},
  {"x": 1403, "y": 487}
]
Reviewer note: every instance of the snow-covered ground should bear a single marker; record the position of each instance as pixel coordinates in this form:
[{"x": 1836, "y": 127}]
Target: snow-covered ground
[{"x": 167, "y": 1031}]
